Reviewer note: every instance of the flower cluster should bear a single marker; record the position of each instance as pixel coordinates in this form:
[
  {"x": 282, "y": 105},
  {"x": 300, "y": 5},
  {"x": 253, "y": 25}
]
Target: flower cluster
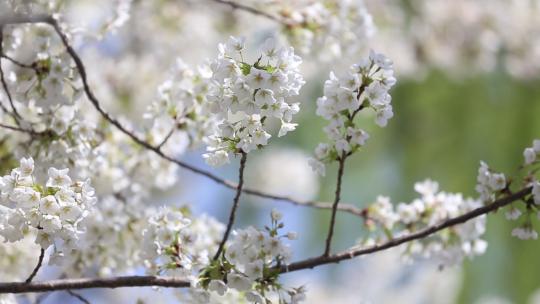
[
  {"x": 366, "y": 85},
  {"x": 250, "y": 264},
  {"x": 489, "y": 183},
  {"x": 448, "y": 246},
  {"x": 55, "y": 209},
  {"x": 332, "y": 28},
  {"x": 531, "y": 153},
  {"x": 177, "y": 245},
  {"x": 245, "y": 96},
  {"x": 182, "y": 106}
]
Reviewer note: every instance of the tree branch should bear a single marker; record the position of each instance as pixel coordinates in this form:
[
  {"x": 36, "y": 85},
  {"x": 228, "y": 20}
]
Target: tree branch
[
  {"x": 141, "y": 281},
  {"x": 16, "y": 62},
  {"x": 114, "y": 282},
  {"x": 352, "y": 253},
  {"x": 89, "y": 93},
  {"x": 337, "y": 198},
  {"x": 252, "y": 10},
  {"x": 236, "y": 201},
  {"x": 38, "y": 266},
  {"x": 78, "y": 296},
  {"x": 15, "y": 114}
]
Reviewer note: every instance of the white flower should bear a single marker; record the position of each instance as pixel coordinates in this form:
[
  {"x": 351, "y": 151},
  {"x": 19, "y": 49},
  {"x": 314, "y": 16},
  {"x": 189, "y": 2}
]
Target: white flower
[
  {"x": 238, "y": 282},
  {"x": 217, "y": 158},
  {"x": 536, "y": 146},
  {"x": 489, "y": 183},
  {"x": 322, "y": 151},
  {"x": 236, "y": 43},
  {"x": 58, "y": 178},
  {"x": 342, "y": 145},
  {"x": 218, "y": 286},
  {"x": 292, "y": 235},
  {"x": 536, "y": 192},
  {"x": 530, "y": 156},
  {"x": 276, "y": 215},
  {"x": 497, "y": 181},
  {"x": 525, "y": 233},
  {"x": 27, "y": 166},
  {"x": 383, "y": 115},
  {"x": 49, "y": 205},
  {"x": 427, "y": 187},
  {"x": 254, "y": 270},
  {"x": 358, "y": 137},
  {"x": 269, "y": 48},
  {"x": 317, "y": 166},
  {"x": 254, "y": 297},
  {"x": 286, "y": 127},
  {"x": 513, "y": 214},
  {"x": 260, "y": 137},
  {"x": 51, "y": 224}
]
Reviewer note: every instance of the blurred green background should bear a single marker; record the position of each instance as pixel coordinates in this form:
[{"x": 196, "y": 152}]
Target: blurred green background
[{"x": 442, "y": 128}]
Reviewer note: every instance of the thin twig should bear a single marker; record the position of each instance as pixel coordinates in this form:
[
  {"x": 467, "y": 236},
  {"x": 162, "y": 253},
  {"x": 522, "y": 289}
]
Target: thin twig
[
  {"x": 73, "y": 284},
  {"x": 236, "y": 201},
  {"x": 78, "y": 296},
  {"x": 166, "y": 138},
  {"x": 38, "y": 266},
  {"x": 13, "y": 128},
  {"x": 337, "y": 198},
  {"x": 17, "y": 63},
  {"x": 252, "y": 10},
  {"x": 16, "y": 115},
  {"x": 140, "y": 281},
  {"x": 42, "y": 298}
]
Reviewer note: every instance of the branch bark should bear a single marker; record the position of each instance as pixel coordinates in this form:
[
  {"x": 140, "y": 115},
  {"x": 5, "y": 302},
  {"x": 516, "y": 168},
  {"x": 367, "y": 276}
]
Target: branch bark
[
  {"x": 114, "y": 282},
  {"x": 352, "y": 253},
  {"x": 38, "y": 266},
  {"x": 337, "y": 198},
  {"x": 252, "y": 10},
  {"x": 14, "y": 114},
  {"x": 236, "y": 202},
  {"x": 141, "y": 281}
]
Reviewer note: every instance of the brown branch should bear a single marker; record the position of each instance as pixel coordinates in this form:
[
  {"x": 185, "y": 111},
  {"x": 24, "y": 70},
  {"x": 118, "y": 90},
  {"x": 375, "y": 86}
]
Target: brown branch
[
  {"x": 141, "y": 281},
  {"x": 166, "y": 138},
  {"x": 38, "y": 266},
  {"x": 337, "y": 198},
  {"x": 236, "y": 201},
  {"x": 18, "y": 63},
  {"x": 78, "y": 296},
  {"x": 349, "y": 254},
  {"x": 252, "y": 10},
  {"x": 72, "y": 284},
  {"x": 13, "y": 128},
  {"x": 15, "y": 114}
]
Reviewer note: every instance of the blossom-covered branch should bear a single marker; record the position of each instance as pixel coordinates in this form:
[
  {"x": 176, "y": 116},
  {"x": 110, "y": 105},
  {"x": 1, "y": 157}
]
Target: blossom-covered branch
[
  {"x": 352, "y": 253},
  {"x": 116, "y": 282},
  {"x": 156, "y": 149}
]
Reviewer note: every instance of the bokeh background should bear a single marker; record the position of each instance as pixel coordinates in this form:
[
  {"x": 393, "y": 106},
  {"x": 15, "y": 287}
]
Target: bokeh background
[{"x": 448, "y": 117}]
